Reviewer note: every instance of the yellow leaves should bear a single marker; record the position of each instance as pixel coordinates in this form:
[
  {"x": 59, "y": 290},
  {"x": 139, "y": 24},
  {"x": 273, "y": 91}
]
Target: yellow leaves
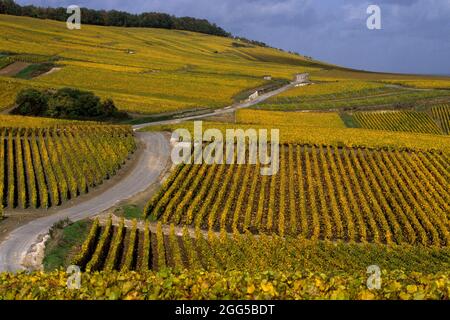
[
  {"x": 339, "y": 294},
  {"x": 113, "y": 293},
  {"x": 366, "y": 295},
  {"x": 34, "y": 279},
  {"x": 440, "y": 283},
  {"x": 235, "y": 284},
  {"x": 297, "y": 285},
  {"x": 394, "y": 286},
  {"x": 319, "y": 284},
  {"x": 204, "y": 285},
  {"x": 250, "y": 289},
  {"x": 411, "y": 288},
  {"x": 127, "y": 287},
  {"x": 268, "y": 288},
  {"x": 404, "y": 296}
]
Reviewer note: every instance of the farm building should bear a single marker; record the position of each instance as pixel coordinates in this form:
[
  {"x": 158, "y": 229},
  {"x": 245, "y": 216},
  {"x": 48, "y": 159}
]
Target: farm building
[
  {"x": 253, "y": 96},
  {"x": 267, "y": 77},
  {"x": 301, "y": 77}
]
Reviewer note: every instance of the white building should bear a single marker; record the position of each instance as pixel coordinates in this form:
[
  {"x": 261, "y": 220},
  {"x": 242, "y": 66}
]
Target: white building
[
  {"x": 253, "y": 96},
  {"x": 301, "y": 77}
]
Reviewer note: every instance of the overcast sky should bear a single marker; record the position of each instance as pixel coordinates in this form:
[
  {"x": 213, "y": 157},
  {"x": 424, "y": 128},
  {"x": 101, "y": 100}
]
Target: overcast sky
[{"x": 415, "y": 34}]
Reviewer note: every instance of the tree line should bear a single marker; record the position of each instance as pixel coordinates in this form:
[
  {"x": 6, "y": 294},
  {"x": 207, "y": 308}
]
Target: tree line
[
  {"x": 65, "y": 103},
  {"x": 116, "y": 18}
]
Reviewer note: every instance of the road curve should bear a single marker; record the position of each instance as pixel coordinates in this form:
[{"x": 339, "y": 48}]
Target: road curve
[
  {"x": 221, "y": 111},
  {"x": 146, "y": 172}
]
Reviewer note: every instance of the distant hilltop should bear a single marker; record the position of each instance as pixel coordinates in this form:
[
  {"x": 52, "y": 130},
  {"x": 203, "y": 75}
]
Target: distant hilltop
[{"x": 116, "y": 18}]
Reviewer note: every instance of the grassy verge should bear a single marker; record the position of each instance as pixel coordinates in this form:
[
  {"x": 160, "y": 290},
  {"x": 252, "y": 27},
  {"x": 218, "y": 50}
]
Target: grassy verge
[
  {"x": 4, "y": 61},
  {"x": 63, "y": 244},
  {"x": 130, "y": 212},
  {"x": 349, "y": 120},
  {"x": 34, "y": 70}
]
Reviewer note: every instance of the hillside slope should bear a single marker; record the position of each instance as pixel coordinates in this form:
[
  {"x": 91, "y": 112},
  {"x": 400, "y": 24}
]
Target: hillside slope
[{"x": 144, "y": 70}]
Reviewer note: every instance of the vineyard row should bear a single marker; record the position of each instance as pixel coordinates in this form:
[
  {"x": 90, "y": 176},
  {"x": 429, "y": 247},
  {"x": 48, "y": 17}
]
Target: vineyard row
[
  {"x": 327, "y": 193},
  {"x": 40, "y": 168},
  {"x": 408, "y": 121},
  {"x": 111, "y": 247}
]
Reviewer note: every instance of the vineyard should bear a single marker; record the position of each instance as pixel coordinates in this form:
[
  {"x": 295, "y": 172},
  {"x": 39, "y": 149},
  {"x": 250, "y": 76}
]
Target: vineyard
[
  {"x": 8, "y": 91},
  {"x": 42, "y": 167},
  {"x": 347, "y": 94},
  {"x": 334, "y": 90},
  {"x": 321, "y": 129},
  {"x": 423, "y": 81},
  {"x": 168, "y": 70},
  {"x": 201, "y": 285},
  {"x": 326, "y": 193},
  {"x": 294, "y": 119},
  {"x": 363, "y": 179},
  {"x": 408, "y": 121},
  {"x": 9, "y": 121},
  {"x": 425, "y": 84},
  {"x": 441, "y": 114},
  {"x": 116, "y": 247}
]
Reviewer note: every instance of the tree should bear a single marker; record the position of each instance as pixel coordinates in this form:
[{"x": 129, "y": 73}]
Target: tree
[
  {"x": 65, "y": 103},
  {"x": 116, "y": 18},
  {"x": 109, "y": 109},
  {"x": 74, "y": 103},
  {"x": 31, "y": 102},
  {"x": 9, "y": 7}
]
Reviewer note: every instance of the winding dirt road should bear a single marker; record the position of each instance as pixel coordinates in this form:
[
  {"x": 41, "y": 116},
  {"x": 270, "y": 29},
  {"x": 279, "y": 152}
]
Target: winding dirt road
[
  {"x": 221, "y": 111},
  {"x": 150, "y": 165},
  {"x": 146, "y": 172}
]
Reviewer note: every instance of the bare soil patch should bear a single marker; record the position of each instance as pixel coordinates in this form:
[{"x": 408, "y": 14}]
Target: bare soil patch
[{"x": 14, "y": 68}]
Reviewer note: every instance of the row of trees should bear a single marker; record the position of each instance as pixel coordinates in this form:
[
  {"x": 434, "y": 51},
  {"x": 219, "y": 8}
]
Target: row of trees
[
  {"x": 116, "y": 18},
  {"x": 65, "y": 103}
]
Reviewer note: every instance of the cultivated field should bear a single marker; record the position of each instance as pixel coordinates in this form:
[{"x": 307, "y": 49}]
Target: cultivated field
[
  {"x": 441, "y": 115},
  {"x": 116, "y": 247},
  {"x": 408, "y": 121},
  {"x": 350, "y": 95},
  {"x": 45, "y": 162},
  {"x": 144, "y": 70},
  {"x": 321, "y": 193},
  {"x": 364, "y": 173},
  {"x": 325, "y": 128}
]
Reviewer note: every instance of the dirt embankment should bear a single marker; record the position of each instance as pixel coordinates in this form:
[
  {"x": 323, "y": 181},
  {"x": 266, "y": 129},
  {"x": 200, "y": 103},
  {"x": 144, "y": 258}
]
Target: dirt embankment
[{"x": 52, "y": 70}]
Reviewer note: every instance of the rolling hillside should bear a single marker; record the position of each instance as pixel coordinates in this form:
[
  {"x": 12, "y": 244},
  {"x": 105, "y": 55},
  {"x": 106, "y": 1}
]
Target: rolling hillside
[
  {"x": 363, "y": 175},
  {"x": 143, "y": 70}
]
